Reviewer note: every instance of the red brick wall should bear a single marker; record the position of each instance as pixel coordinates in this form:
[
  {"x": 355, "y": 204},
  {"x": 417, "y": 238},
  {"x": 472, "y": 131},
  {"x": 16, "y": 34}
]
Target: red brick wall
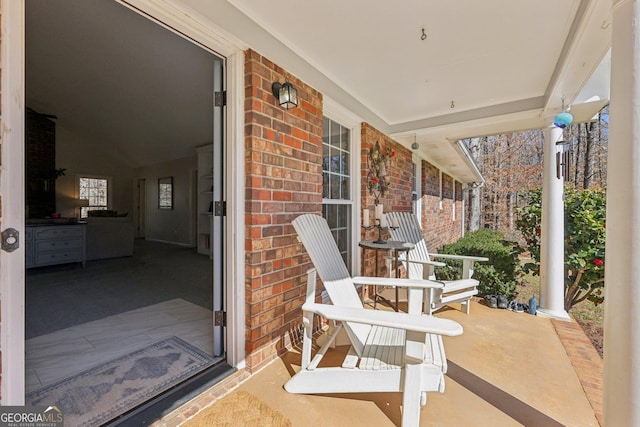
[
  {"x": 437, "y": 218},
  {"x": 438, "y": 223},
  {"x": 283, "y": 180},
  {"x": 398, "y": 198}
]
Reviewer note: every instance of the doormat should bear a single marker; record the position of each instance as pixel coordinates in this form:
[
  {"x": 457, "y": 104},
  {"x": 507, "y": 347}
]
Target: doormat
[
  {"x": 238, "y": 409},
  {"x": 99, "y": 394}
]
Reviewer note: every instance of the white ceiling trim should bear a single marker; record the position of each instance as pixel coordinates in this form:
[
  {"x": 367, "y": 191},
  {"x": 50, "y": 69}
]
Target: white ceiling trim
[{"x": 584, "y": 53}]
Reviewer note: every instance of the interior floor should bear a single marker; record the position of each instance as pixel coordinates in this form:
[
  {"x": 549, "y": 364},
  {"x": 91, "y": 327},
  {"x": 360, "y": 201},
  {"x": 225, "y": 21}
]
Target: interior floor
[
  {"x": 66, "y": 295},
  {"x": 64, "y": 353},
  {"x": 78, "y": 318}
]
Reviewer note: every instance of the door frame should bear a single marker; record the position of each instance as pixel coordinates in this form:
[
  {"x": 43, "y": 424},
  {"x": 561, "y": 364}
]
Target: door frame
[
  {"x": 185, "y": 23},
  {"x": 12, "y": 97},
  {"x": 12, "y": 286},
  {"x": 189, "y": 25},
  {"x": 140, "y": 206}
]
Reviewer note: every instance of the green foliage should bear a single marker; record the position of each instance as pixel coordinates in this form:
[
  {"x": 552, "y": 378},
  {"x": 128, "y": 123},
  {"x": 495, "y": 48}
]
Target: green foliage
[
  {"x": 496, "y": 276},
  {"x": 585, "y": 213}
]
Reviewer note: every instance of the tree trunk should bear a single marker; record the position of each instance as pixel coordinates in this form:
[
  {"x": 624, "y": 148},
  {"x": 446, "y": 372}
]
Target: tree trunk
[
  {"x": 588, "y": 155},
  {"x": 577, "y": 168}
]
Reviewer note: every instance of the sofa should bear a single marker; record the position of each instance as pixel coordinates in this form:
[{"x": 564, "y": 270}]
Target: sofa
[{"x": 109, "y": 237}]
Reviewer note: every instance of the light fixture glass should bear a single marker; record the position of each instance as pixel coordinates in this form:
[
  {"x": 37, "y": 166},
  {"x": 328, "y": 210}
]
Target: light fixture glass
[{"x": 287, "y": 95}]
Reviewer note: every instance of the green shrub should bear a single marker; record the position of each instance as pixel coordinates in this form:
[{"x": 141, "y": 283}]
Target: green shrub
[
  {"x": 496, "y": 276},
  {"x": 585, "y": 215}
]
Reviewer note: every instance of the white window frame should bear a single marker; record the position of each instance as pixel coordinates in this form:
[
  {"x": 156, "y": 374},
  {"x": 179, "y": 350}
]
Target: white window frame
[
  {"x": 92, "y": 176},
  {"x": 441, "y": 198},
  {"x": 337, "y": 113},
  {"x": 417, "y": 203}
]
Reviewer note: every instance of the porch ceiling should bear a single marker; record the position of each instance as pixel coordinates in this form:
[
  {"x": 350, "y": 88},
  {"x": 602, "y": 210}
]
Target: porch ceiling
[
  {"x": 505, "y": 65},
  {"x": 484, "y": 67}
]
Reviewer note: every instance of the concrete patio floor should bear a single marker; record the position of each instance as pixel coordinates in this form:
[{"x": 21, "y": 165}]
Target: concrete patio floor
[{"x": 506, "y": 369}]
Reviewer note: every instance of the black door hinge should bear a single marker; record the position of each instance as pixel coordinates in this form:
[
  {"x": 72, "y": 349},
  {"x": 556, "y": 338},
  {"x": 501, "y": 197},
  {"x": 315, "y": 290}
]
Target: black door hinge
[
  {"x": 220, "y": 318},
  {"x": 220, "y": 98},
  {"x": 220, "y": 208}
]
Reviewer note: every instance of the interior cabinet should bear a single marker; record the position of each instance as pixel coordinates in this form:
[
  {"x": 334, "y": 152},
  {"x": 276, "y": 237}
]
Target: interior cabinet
[
  {"x": 205, "y": 199},
  {"x": 55, "y": 244}
]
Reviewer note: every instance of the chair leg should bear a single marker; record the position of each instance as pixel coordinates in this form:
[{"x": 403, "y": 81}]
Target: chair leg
[
  {"x": 466, "y": 306},
  {"x": 423, "y": 398},
  {"x": 412, "y": 396}
]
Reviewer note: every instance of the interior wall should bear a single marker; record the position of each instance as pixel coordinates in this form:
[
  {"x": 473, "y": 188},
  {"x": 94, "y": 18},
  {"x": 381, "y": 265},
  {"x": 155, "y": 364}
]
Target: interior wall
[
  {"x": 79, "y": 156},
  {"x": 169, "y": 225}
]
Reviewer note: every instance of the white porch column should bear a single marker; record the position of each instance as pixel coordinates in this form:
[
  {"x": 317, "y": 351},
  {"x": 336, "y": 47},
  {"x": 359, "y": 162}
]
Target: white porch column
[
  {"x": 552, "y": 232},
  {"x": 622, "y": 260}
]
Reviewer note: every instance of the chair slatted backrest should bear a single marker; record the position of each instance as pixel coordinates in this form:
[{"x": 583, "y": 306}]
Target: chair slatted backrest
[
  {"x": 314, "y": 233},
  {"x": 409, "y": 230}
]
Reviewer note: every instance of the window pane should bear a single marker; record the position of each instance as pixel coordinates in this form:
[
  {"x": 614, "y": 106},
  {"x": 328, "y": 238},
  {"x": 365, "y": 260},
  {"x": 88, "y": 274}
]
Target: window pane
[
  {"x": 336, "y": 183},
  {"x": 165, "y": 193},
  {"x": 345, "y": 138},
  {"x": 325, "y": 157},
  {"x": 95, "y": 191},
  {"x": 332, "y": 216},
  {"x": 335, "y": 160},
  {"x": 345, "y": 182},
  {"x": 338, "y": 218},
  {"x": 344, "y": 164},
  {"x": 334, "y": 192},
  {"x": 325, "y": 185}
]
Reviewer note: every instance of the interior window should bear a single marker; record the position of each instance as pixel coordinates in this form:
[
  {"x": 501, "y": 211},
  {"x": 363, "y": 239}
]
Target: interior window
[{"x": 95, "y": 192}]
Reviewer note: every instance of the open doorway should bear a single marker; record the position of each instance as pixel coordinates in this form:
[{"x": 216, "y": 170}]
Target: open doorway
[{"x": 129, "y": 103}]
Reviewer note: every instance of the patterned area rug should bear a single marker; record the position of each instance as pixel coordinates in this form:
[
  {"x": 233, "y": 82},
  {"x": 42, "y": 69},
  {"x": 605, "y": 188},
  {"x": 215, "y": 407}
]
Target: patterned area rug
[
  {"x": 103, "y": 392},
  {"x": 238, "y": 409}
]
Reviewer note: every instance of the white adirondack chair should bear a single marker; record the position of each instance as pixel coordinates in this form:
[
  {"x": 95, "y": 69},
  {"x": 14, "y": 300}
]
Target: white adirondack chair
[
  {"x": 421, "y": 265},
  {"x": 390, "y": 352}
]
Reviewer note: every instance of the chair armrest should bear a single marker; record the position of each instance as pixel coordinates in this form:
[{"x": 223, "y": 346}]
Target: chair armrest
[
  {"x": 462, "y": 257},
  {"x": 423, "y": 262},
  {"x": 403, "y": 283},
  {"x": 418, "y": 261},
  {"x": 390, "y": 319}
]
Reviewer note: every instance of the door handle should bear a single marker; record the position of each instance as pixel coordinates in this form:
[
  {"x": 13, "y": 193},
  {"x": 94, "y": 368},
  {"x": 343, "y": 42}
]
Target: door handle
[{"x": 10, "y": 239}]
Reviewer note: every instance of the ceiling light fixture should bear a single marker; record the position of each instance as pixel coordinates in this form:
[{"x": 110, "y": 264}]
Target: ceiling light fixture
[
  {"x": 415, "y": 144},
  {"x": 286, "y": 94},
  {"x": 423, "y": 37}
]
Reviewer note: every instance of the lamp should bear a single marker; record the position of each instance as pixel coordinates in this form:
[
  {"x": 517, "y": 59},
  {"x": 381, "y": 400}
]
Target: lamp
[
  {"x": 286, "y": 94},
  {"x": 415, "y": 144},
  {"x": 80, "y": 203}
]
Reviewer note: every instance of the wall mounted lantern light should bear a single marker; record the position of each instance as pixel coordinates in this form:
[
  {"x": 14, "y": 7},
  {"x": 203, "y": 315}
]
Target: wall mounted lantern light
[{"x": 286, "y": 94}]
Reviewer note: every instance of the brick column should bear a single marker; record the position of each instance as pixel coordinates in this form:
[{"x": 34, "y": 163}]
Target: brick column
[{"x": 283, "y": 180}]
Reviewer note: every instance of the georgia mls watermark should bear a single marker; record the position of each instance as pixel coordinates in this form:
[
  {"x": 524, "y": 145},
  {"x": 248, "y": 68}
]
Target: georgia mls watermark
[{"x": 31, "y": 416}]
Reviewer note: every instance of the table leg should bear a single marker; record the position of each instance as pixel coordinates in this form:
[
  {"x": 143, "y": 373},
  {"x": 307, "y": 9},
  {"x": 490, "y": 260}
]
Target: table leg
[
  {"x": 397, "y": 277},
  {"x": 375, "y": 288}
]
